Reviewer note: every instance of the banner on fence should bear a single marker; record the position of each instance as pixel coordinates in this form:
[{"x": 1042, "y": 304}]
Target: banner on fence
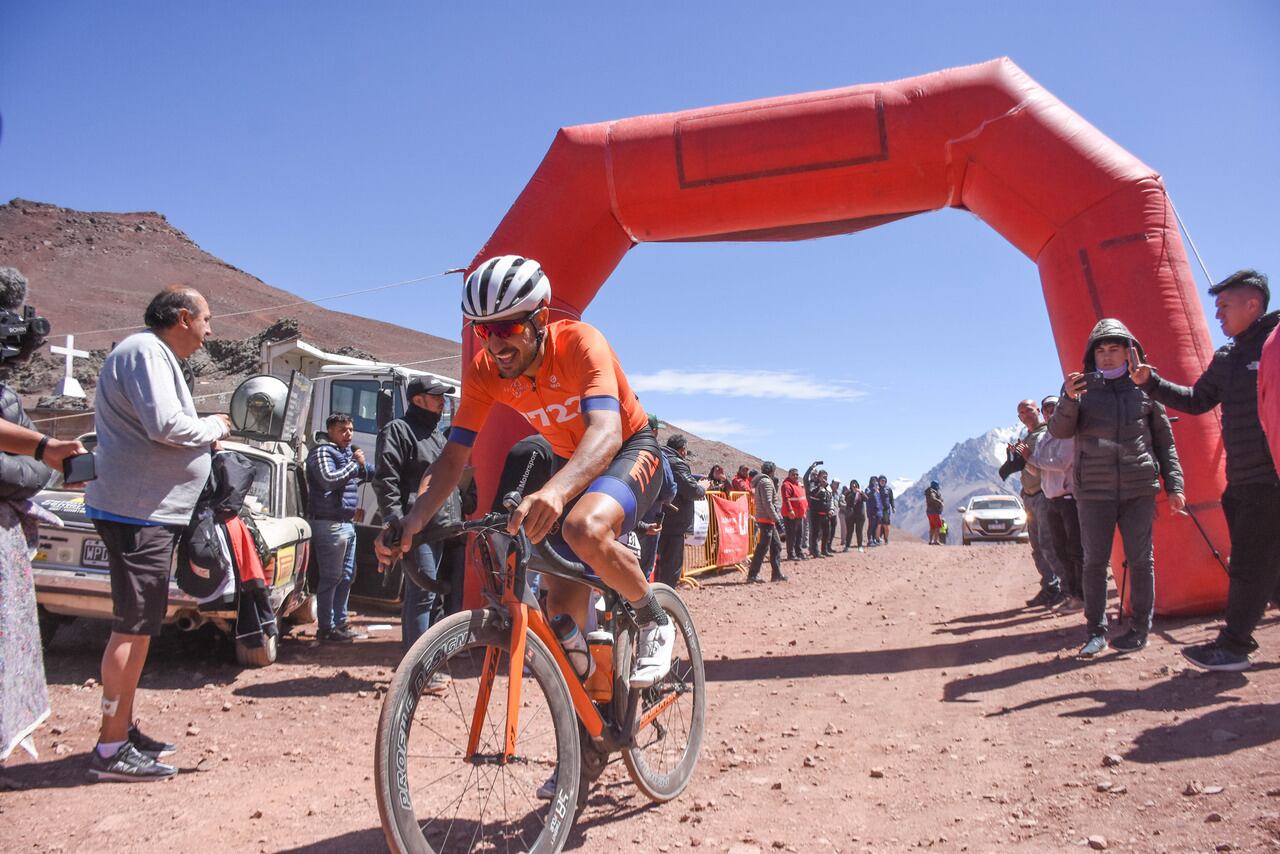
[
  {"x": 697, "y": 535},
  {"x": 733, "y": 521}
]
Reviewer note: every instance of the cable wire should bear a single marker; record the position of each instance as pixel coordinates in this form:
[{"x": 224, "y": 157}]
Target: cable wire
[
  {"x": 1185, "y": 231},
  {"x": 295, "y": 303}
]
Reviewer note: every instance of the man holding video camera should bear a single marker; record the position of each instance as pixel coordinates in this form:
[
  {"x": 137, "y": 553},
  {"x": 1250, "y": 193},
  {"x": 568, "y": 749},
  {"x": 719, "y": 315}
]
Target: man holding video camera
[{"x": 153, "y": 461}]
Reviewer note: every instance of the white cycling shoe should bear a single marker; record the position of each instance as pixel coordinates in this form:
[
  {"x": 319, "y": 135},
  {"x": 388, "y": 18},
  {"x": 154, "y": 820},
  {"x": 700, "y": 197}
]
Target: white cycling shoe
[{"x": 654, "y": 645}]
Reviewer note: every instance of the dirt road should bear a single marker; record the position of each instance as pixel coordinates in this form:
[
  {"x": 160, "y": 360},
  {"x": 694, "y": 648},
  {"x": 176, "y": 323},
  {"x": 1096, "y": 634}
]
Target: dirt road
[{"x": 886, "y": 701}]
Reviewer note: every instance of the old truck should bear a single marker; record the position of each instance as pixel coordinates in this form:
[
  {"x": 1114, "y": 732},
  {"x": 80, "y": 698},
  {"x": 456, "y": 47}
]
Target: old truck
[{"x": 70, "y": 564}]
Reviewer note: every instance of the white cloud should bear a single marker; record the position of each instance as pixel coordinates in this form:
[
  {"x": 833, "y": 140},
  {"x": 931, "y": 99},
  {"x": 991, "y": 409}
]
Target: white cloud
[
  {"x": 773, "y": 384},
  {"x": 719, "y": 428}
]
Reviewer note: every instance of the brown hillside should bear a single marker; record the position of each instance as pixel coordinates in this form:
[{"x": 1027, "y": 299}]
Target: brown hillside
[{"x": 92, "y": 271}]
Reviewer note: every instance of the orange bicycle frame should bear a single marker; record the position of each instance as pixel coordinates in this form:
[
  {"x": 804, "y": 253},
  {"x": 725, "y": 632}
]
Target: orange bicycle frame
[{"x": 524, "y": 620}]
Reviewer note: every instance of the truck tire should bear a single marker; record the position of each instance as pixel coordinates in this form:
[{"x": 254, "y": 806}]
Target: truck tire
[
  {"x": 305, "y": 614},
  {"x": 258, "y": 656}
]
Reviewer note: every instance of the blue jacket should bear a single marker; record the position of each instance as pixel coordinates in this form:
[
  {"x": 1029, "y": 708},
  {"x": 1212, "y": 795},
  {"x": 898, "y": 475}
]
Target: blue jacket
[
  {"x": 333, "y": 478},
  {"x": 874, "y": 503}
]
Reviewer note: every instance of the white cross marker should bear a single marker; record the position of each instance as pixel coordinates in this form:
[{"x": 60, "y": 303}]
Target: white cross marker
[{"x": 69, "y": 386}]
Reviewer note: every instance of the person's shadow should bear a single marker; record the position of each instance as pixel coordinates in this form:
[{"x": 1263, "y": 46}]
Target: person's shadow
[{"x": 1216, "y": 733}]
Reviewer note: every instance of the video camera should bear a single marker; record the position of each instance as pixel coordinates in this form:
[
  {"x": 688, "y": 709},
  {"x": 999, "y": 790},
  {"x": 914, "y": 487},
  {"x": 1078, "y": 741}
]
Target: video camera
[{"x": 17, "y": 329}]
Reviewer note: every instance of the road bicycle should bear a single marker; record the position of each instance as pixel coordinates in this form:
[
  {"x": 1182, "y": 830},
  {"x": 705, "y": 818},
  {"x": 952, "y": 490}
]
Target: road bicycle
[{"x": 459, "y": 760}]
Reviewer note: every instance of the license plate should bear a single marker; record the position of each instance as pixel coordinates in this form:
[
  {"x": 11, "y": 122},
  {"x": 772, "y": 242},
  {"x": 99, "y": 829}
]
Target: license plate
[
  {"x": 997, "y": 526},
  {"x": 94, "y": 553}
]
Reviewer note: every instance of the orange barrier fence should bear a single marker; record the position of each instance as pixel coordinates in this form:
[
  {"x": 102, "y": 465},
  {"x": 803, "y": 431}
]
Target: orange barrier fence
[{"x": 705, "y": 558}]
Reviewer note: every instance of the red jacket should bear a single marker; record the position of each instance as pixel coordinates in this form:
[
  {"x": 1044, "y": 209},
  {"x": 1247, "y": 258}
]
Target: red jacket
[
  {"x": 1269, "y": 393},
  {"x": 741, "y": 484},
  {"x": 794, "y": 502}
]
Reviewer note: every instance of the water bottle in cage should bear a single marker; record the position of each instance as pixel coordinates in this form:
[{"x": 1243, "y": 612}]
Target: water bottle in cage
[{"x": 573, "y": 643}]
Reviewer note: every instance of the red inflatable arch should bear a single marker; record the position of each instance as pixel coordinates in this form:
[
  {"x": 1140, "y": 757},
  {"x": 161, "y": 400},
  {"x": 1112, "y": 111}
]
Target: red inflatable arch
[{"x": 985, "y": 138}]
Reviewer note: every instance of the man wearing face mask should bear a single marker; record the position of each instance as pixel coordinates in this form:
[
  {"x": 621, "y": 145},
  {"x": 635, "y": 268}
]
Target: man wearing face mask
[
  {"x": 1251, "y": 501},
  {"x": 1124, "y": 447},
  {"x": 405, "y": 450}
]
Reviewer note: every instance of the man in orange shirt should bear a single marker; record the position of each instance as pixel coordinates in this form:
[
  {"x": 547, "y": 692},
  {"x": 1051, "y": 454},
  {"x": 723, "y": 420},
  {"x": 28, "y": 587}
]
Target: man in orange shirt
[{"x": 564, "y": 378}]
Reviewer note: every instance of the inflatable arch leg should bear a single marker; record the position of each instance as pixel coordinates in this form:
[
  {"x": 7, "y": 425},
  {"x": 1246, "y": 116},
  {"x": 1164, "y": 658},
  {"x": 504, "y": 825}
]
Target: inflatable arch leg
[{"x": 984, "y": 138}]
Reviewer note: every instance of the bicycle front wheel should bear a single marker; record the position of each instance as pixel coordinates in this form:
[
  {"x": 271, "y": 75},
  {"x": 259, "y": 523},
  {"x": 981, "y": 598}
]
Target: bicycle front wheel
[
  {"x": 430, "y": 796},
  {"x": 671, "y": 716}
]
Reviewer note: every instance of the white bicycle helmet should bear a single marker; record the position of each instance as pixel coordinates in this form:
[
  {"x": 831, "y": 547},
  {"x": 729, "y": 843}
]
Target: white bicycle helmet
[{"x": 505, "y": 287}]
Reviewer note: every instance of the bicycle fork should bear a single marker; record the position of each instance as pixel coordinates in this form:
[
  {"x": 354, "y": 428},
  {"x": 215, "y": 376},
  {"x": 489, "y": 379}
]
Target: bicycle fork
[{"x": 523, "y": 620}]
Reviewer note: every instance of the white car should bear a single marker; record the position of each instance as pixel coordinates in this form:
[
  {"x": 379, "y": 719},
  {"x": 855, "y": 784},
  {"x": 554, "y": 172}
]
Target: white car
[
  {"x": 994, "y": 518},
  {"x": 70, "y": 564}
]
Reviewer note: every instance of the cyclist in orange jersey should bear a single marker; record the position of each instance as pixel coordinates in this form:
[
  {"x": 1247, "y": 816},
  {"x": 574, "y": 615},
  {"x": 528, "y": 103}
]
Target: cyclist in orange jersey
[{"x": 565, "y": 380}]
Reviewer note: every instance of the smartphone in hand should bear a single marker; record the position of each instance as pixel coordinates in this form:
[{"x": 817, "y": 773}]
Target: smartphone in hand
[
  {"x": 1094, "y": 380},
  {"x": 79, "y": 469}
]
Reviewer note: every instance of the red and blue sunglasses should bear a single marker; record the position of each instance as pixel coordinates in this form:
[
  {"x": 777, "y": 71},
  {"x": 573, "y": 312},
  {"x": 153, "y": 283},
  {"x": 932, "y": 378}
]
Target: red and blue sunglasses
[{"x": 502, "y": 328}]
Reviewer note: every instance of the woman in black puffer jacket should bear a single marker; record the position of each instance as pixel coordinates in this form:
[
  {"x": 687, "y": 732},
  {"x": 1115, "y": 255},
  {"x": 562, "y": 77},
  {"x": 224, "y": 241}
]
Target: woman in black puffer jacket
[{"x": 1123, "y": 447}]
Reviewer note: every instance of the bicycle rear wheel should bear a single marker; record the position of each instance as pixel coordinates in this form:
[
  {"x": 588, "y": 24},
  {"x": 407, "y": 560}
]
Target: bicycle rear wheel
[
  {"x": 429, "y": 797},
  {"x": 671, "y": 716}
]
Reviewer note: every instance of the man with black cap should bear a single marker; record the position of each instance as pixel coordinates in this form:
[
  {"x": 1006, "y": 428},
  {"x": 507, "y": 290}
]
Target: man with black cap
[
  {"x": 679, "y": 516},
  {"x": 1251, "y": 501},
  {"x": 405, "y": 450}
]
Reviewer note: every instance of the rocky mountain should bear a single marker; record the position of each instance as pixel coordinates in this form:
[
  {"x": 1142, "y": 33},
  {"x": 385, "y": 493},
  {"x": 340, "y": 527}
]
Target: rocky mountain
[
  {"x": 971, "y": 468},
  {"x": 92, "y": 273}
]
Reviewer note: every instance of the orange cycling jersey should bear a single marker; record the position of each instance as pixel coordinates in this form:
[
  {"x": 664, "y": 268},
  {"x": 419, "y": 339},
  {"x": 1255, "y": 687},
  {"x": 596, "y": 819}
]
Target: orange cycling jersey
[{"x": 579, "y": 373}]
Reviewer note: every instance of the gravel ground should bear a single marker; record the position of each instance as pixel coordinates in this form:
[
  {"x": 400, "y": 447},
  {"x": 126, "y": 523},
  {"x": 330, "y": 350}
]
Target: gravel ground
[{"x": 886, "y": 701}]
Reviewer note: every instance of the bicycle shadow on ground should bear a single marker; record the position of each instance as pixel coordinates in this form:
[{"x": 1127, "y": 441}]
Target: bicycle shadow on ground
[
  {"x": 619, "y": 801},
  {"x": 897, "y": 660},
  {"x": 1215, "y": 733},
  {"x": 369, "y": 839}
]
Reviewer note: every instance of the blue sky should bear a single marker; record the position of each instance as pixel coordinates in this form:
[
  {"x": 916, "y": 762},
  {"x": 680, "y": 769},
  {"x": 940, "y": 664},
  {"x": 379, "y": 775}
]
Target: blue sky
[{"x": 331, "y": 146}]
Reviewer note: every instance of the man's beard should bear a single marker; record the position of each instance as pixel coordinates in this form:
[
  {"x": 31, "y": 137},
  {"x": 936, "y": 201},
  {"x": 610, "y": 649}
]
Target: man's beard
[{"x": 518, "y": 367}]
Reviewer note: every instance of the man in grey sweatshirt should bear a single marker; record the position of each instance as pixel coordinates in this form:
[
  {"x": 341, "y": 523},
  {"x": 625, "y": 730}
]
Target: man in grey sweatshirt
[{"x": 152, "y": 460}]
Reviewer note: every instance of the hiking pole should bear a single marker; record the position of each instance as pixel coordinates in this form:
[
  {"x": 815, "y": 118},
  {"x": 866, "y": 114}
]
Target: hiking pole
[
  {"x": 1124, "y": 582},
  {"x": 1208, "y": 541}
]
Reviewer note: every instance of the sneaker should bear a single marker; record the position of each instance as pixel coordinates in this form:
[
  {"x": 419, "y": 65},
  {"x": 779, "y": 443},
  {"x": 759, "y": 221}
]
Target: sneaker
[
  {"x": 346, "y": 630},
  {"x": 1056, "y": 598},
  {"x": 1070, "y": 605},
  {"x": 334, "y": 636},
  {"x": 1131, "y": 641},
  {"x": 653, "y": 654},
  {"x": 149, "y": 746},
  {"x": 1214, "y": 656},
  {"x": 128, "y": 765},
  {"x": 779, "y": 577},
  {"x": 755, "y": 579},
  {"x": 547, "y": 790},
  {"x": 438, "y": 684},
  {"x": 1093, "y": 646}
]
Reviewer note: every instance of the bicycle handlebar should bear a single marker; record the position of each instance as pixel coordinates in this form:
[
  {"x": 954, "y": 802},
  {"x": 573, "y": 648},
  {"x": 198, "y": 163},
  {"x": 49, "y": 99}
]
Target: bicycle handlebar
[{"x": 498, "y": 519}]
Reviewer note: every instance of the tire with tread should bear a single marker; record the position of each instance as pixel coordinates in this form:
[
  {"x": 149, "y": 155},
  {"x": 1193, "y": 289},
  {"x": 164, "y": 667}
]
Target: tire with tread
[
  {"x": 258, "y": 656},
  {"x": 664, "y": 786},
  {"x": 470, "y": 633}
]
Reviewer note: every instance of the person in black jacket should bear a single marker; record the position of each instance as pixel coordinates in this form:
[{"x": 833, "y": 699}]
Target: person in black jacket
[
  {"x": 820, "y": 507},
  {"x": 405, "y": 450},
  {"x": 1123, "y": 448},
  {"x": 1251, "y": 501},
  {"x": 679, "y": 515}
]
